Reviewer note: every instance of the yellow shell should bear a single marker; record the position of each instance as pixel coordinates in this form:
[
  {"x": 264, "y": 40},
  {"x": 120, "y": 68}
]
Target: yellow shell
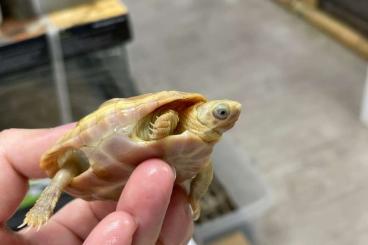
[{"x": 104, "y": 134}]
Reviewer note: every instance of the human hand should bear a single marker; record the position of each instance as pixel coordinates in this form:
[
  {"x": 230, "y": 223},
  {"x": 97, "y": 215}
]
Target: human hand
[{"x": 150, "y": 209}]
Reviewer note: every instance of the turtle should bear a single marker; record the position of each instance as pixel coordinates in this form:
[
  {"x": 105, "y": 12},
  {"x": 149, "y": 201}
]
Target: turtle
[{"x": 94, "y": 159}]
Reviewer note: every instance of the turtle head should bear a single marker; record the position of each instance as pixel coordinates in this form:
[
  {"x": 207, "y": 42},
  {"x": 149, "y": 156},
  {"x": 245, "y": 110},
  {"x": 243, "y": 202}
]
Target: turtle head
[{"x": 215, "y": 117}]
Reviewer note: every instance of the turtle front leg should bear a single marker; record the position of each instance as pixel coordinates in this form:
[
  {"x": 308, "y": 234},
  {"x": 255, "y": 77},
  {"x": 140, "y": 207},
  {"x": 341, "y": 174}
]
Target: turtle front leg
[
  {"x": 164, "y": 125},
  {"x": 72, "y": 163},
  {"x": 199, "y": 187}
]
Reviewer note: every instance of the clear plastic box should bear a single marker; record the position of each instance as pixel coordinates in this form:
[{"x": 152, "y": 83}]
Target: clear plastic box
[{"x": 235, "y": 170}]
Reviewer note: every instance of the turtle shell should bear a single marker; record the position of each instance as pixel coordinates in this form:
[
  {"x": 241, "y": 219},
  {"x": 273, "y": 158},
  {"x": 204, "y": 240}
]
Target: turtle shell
[{"x": 104, "y": 137}]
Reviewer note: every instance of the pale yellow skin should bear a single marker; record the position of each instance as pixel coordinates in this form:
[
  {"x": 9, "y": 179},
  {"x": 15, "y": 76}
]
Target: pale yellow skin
[{"x": 94, "y": 160}]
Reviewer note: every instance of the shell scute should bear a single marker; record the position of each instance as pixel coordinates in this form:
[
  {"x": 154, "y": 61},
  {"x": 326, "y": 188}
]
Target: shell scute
[{"x": 117, "y": 115}]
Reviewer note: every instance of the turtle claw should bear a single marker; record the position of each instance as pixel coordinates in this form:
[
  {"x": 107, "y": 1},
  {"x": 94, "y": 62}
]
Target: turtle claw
[
  {"x": 22, "y": 225},
  {"x": 36, "y": 217},
  {"x": 196, "y": 210}
]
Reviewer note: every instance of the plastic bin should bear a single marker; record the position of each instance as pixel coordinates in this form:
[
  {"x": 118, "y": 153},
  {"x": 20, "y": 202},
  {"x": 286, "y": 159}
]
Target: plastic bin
[
  {"x": 243, "y": 184},
  {"x": 86, "y": 54}
]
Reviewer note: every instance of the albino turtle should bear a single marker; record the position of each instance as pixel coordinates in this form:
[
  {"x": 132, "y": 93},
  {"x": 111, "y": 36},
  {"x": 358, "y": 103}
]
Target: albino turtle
[{"x": 94, "y": 159}]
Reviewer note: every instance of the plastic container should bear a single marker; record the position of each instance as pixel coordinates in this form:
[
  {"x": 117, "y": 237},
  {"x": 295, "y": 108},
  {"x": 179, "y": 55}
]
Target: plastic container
[
  {"x": 192, "y": 242},
  {"x": 243, "y": 184},
  {"x": 63, "y": 70}
]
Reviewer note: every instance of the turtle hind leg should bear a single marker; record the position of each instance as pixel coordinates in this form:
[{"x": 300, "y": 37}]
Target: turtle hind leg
[
  {"x": 72, "y": 163},
  {"x": 39, "y": 214}
]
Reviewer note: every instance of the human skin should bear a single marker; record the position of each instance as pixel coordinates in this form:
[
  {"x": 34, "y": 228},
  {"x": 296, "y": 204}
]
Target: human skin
[{"x": 150, "y": 210}]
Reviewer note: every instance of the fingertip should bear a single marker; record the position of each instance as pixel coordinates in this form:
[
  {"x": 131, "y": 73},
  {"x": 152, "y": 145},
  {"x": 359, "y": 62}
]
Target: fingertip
[
  {"x": 116, "y": 228},
  {"x": 24, "y": 147},
  {"x": 120, "y": 219},
  {"x": 123, "y": 219},
  {"x": 155, "y": 166},
  {"x": 151, "y": 181}
]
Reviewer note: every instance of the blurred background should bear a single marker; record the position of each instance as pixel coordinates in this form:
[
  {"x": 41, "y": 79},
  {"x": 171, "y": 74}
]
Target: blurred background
[{"x": 298, "y": 174}]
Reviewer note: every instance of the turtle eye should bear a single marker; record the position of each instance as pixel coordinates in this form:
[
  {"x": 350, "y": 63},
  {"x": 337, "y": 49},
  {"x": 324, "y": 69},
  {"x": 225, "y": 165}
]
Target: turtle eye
[{"x": 221, "y": 111}]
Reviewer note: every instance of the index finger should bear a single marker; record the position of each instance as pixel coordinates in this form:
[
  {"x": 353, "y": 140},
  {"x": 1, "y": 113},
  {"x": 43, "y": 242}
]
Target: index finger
[
  {"x": 22, "y": 148},
  {"x": 20, "y": 151}
]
